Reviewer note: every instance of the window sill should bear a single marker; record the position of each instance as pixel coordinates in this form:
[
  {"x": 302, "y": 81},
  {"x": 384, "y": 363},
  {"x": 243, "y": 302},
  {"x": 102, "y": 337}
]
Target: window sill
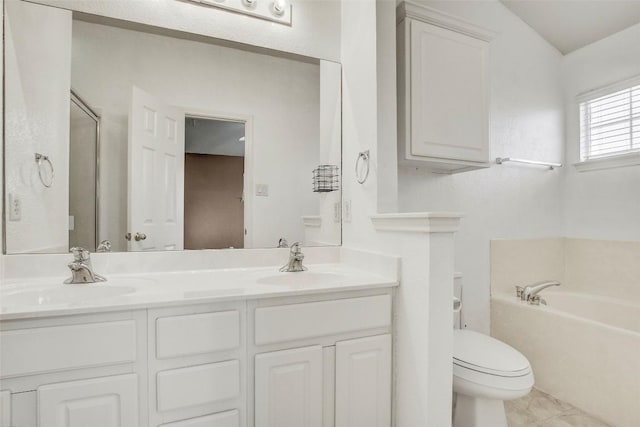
[{"x": 609, "y": 163}]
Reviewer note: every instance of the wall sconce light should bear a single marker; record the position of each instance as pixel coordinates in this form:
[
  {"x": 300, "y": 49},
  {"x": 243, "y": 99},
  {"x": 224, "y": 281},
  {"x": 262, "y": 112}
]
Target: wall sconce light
[{"x": 279, "y": 11}]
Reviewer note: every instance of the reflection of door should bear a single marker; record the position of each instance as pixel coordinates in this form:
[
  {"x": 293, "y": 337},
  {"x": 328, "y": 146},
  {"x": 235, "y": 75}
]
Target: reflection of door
[{"x": 156, "y": 174}]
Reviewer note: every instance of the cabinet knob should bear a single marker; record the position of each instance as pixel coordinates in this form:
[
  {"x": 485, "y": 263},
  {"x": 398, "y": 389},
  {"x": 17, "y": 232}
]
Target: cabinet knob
[{"x": 140, "y": 236}]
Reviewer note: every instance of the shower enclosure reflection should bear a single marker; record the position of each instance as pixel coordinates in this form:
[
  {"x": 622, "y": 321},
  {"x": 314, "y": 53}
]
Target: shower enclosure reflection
[{"x": 84, "y": 146}]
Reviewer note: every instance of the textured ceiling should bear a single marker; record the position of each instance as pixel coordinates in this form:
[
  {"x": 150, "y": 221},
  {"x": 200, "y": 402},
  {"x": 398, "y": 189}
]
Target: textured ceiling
[{"x": 571, "y": 24}]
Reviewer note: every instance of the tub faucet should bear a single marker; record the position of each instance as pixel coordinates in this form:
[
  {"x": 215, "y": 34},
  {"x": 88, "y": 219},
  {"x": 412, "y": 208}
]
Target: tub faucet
[
  {"x": 295, "y": 260},
  {"x": 530, "y": 293},
  {"x": 81, "y": 268}
]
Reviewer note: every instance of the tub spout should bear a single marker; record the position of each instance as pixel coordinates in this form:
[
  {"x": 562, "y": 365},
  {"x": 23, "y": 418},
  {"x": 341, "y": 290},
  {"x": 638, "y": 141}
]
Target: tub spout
[{"x": 530, "y": 293}]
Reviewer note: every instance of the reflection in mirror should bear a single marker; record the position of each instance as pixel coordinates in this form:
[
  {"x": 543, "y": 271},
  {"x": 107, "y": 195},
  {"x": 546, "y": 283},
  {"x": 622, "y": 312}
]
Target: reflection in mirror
[{"x": 168, "y": 142}]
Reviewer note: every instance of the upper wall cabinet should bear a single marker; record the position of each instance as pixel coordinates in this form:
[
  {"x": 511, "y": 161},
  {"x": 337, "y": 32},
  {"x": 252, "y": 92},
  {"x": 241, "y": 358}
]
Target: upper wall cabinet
[{"x": 443, "y": 88}]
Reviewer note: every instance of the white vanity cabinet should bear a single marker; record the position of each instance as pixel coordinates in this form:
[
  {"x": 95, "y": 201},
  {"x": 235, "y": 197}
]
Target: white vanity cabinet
[
  {"x": 318, "y": 360},
  {"x": 288, "y": 388},
  {"x": 74, "y": 371},
  {"x": 5, "y": 408},
  {"x": 443, "y": 91},
  {"x": 322, "y": 363},
  {"x": 197, "y": 368},
  {"x": 96, "y": 402}
]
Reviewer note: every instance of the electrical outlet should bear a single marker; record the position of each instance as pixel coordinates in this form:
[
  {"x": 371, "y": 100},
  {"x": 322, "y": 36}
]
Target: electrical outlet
[
  {"x": 336, "y": 212},
  {"x": 15, "y": 208},
  {"x": 262, "y": 190},
  {"x": 347, "y": 211}
]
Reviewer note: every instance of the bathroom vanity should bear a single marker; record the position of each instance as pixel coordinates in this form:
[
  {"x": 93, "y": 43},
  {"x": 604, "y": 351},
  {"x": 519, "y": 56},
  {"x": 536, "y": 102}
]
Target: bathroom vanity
[{"x": 242, "y": 347}]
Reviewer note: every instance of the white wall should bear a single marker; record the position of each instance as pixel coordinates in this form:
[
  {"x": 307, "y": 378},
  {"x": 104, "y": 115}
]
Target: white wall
[
  {"x": 37, "y": 118},
  {"x": 602, "y": 204},
  {"x": 509, "y": 201},
  {"x": 280, "y": 95}
]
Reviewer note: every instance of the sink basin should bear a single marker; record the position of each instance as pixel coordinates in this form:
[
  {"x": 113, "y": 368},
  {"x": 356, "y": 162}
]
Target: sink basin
[
  {"x": 63, "y": 294},
  {"x": 300, "y": 279}
]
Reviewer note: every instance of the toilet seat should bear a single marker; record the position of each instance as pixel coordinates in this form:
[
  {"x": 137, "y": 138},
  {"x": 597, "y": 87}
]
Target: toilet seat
[
  {"x": 487, "y": 355},
  {"x": 488, "y": 368}
]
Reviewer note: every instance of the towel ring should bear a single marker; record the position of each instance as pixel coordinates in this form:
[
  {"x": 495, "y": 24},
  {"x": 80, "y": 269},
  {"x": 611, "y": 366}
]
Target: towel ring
[
  {"x": 41, "y": 159},
  {"x": 362, "y": 156}
]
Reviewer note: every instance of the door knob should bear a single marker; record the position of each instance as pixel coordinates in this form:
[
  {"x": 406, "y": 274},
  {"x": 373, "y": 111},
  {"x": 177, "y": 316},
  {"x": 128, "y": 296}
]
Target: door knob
[{"x": 140, "y": 236}]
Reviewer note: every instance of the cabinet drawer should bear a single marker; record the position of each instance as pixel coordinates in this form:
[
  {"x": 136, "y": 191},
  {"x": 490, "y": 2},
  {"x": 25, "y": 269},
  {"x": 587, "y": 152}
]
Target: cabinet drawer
[
  {"x": 223, "y": 419},
  {"x": 39, "y": 350},
  {"x": 198, "y": 385},
  {"x": 197, "y": 334},
  {"x": 309, "y": 320}
]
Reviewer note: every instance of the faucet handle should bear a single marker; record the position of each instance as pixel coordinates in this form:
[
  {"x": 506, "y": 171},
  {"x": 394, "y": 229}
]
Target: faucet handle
[
  {"x": 519, "y": 291},
  {"x": 80, "y": 254},
  {"x": 296, "y": 248}
]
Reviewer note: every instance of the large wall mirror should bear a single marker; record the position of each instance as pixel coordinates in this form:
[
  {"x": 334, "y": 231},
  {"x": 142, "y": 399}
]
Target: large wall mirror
[{"x": 138, "y": 139}]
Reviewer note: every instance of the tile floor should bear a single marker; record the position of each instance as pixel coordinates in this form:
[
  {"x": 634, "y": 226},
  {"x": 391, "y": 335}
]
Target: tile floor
[{"x": 539, "y": 409}]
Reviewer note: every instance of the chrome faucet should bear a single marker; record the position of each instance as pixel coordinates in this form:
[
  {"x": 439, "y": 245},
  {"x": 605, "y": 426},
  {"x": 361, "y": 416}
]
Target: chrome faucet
[
  {"x": 530, "y": 293},
  {"x": 295, "y": 260},
  {"x": 104, "y": 246},
  {"x": 81, "y": 268}
]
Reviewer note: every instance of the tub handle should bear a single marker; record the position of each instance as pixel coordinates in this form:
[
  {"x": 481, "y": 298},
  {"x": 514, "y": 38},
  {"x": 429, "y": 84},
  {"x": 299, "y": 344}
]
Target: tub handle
[{"x": 519, "y": 291}]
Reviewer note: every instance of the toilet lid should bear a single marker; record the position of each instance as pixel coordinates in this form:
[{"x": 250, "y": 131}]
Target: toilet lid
[{"x": 482, "y": 353}]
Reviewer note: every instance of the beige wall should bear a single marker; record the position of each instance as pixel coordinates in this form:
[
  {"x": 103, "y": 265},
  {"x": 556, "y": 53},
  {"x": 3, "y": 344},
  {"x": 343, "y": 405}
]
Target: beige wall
[
  {"x": 599, "y": 267},
  {"x": 213, "y": 209}
]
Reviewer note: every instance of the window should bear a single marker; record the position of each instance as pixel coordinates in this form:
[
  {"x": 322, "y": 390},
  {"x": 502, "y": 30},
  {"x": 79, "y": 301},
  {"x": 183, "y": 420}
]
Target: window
[{"x": 610, "y": 124}]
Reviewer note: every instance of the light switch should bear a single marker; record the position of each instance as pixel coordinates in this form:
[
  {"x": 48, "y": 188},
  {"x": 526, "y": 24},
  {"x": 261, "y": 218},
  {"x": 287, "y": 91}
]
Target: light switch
[
  {"x": 262, "y": 190},
  {"x": 347, "y": 211},
  {"x": 336, "y": 212},
  {"x": 15, "y": 208}
]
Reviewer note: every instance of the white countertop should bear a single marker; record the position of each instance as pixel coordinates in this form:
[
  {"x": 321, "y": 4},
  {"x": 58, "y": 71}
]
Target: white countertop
[{"x": 42, "y": 297}]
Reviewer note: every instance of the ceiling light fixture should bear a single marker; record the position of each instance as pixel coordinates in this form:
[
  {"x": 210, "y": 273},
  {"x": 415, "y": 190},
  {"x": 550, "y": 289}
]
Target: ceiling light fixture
[{"x": 278, "y": 7}]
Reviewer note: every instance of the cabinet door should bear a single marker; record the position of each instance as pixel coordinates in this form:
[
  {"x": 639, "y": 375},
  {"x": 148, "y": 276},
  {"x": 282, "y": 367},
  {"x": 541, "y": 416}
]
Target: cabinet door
[
  {"x": 5, "y": 408},
  {"x": 363, "y": 382},
  {"x": 288, "y": 388},
  {"x": 98, "y": 402},
  {"x": 449, "y": 94}
]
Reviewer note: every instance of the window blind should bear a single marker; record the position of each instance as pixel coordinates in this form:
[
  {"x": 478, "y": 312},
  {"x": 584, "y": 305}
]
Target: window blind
[{"x": 610, "y": 124}]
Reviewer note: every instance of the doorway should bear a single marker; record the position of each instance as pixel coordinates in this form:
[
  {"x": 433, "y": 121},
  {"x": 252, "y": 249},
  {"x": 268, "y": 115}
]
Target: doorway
[{"x": 214, "y": 210}]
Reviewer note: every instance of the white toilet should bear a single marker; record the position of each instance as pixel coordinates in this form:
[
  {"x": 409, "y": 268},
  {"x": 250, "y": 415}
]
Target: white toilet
[{"x": 486, "y": 372}]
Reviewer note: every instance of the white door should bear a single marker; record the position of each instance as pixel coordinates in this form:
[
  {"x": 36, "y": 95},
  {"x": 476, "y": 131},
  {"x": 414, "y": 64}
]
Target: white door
[
  {"x": 98, "y": 402},
  {"x": 363, "y": 382},
  {"x": 288, "y": 388},
  {"x": 156, "y": 174},
  {"x": 5, "y": 408}
]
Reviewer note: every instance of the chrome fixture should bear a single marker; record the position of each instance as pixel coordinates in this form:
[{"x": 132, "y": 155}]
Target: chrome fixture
[
  {"x": 81, "y": 269},
  {"x": 282, "y": 243},
  {"x": 46, "y": 180},
  {"x": 295, "y": 260},
  {"x": 530, "y": 293},
  {"x": 361, "y": 176},
  {"x": 104, "y": 246},
  {"x": 551, "y": 166}
]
